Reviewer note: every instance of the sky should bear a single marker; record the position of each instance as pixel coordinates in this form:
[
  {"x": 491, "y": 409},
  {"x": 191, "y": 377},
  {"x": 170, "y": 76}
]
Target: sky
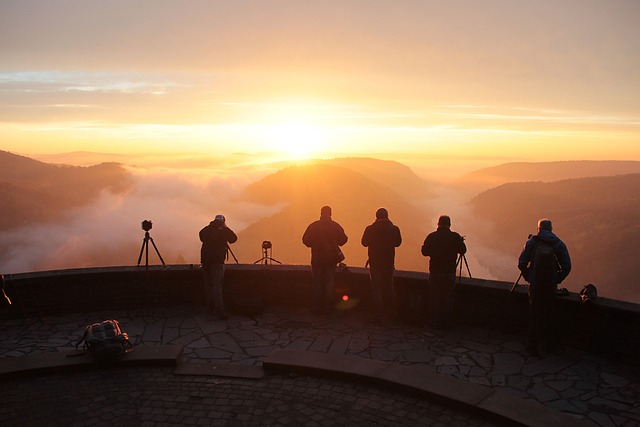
[{"x": 527, "y": 79}]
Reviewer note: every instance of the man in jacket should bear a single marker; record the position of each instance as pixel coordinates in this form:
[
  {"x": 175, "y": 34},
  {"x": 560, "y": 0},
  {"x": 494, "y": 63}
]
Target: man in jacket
[
  {"x": 543, "y": 285},
  {"x": 382, "y": 238},
  {"x": 443, "y": 247},
  {"x": 324, "y": 237},
  {"x": 215, "y": 237}
]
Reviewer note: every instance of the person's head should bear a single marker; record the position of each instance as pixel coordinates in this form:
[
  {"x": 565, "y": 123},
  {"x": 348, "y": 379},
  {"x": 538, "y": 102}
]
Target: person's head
[
  {"x": 545, "y": 224},
  {"x": 220, "y": 219},
  {"x": 382, "y": 213},
  {"x": 444, "y": 221},
  {"x": 325, "y": 211}
]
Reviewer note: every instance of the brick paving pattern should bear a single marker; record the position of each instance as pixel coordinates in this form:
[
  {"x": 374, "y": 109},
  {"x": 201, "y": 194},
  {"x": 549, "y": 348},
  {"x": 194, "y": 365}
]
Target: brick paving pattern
[{"x": 154, "y": 396}]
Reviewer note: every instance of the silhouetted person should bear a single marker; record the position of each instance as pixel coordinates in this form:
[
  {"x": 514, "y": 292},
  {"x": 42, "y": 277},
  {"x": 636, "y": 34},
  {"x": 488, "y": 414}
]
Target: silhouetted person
[
  {"x": 215, "y": 237},
  {"x": 442, "y": 247},
  {"x": 544, "y": 263},
  {"x": 324, "y": 237},
  {"x": 382, "y": 238}
]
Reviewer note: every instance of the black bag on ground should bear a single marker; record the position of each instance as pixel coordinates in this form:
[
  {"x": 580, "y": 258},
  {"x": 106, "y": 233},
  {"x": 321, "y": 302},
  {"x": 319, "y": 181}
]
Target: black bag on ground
[{"x": 105, "y": 341}]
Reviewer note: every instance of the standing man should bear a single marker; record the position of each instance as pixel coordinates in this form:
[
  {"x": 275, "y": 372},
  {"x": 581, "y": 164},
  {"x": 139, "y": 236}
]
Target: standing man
[
  {"x": 442, "y": 247},
  {"x": 382, "y": 238},
  {"x": 215, "y": 238},
  {"x": 324, "y": 237},
  {"x": 544, "y": 263}
]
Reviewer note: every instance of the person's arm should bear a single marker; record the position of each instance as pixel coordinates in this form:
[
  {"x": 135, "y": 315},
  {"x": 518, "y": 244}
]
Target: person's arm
[
  {"x": 342, "y": 236},
  {"x": 307, "y": 237},
  {"x": 426, "y": 247},
  {"x": 524, "y": 258},
  {"x": 365, "y": 237},
  {"x": 398, "y": 237},
  {"x": 231, "y": 237},
  {"x": 565, "y": 263}
]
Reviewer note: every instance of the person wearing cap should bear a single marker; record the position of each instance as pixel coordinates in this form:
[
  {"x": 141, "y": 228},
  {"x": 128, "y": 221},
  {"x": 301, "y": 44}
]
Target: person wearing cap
[
  {"x": 324, "y": 237},
  {"x": 382, "y": 238},
  {"x": 442, "y": 247},
  {"x": 215, "y": 238}
]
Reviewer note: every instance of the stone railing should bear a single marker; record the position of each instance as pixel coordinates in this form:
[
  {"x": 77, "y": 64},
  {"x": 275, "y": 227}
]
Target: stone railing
[{"x": 602, "y": 326}]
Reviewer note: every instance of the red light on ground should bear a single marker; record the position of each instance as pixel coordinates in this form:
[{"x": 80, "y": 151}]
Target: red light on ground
[{"x": 345, "y": 297}]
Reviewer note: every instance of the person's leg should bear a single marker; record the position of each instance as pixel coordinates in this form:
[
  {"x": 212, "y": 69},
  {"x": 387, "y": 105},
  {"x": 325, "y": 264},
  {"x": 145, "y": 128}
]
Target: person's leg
[
  {"x": 550, "y": 332},
  {"x": 329, "y": 278},
  {"x": 316, "y": 289},
  {"x": 536, "y": 304},
  {"x": 376, "y": 291},
  {"x": 218, "y": 296},
  {"x": 436, "y": 299},
  {"x": 207, "y": 280},
  {"x": 388, "y": 294},
  {"x": 449, "y": 283}
]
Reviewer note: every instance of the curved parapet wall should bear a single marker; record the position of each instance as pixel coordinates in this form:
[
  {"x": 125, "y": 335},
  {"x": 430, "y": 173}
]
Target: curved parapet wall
[{"x": 605, "y": 325}]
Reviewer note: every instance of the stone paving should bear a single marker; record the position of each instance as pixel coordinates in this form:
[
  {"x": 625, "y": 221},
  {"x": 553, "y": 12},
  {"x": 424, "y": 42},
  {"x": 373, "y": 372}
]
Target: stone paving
[
  {"x": 154, "y": 396},
  {"x": 581, "y": 384}
]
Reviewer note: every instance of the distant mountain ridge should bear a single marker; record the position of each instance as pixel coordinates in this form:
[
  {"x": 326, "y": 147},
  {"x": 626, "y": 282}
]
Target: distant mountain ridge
[
  {"x": 597, "y": 217},
  {"x": 303, "y": 190},
  {"x": 33, "y": 191},
  {"x": 486, "y": 178}
]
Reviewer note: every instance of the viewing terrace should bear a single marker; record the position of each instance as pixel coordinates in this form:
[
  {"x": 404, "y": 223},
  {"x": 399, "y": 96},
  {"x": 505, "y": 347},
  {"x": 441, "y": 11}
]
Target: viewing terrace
[{"x": 273, "y": 362}]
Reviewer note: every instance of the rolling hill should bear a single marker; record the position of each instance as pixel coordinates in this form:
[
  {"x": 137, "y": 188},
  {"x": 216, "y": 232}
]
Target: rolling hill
[
  {"x": 597, "y": 217},
  {"x": 483, "y": 179},
  {"x": 33, "y": 191},
  {"x": 303, "y": 190}
]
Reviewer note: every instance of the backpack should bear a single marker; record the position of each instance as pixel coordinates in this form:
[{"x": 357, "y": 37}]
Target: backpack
[
  {"x": 105, "y": 341},
  {"x": 544, "y": 263}
]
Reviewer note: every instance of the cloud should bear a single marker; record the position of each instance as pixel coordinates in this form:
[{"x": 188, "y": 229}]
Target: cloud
[{"x": 109, "y": 231}]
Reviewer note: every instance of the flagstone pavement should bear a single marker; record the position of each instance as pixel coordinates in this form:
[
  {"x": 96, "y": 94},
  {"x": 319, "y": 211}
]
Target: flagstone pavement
[{"x": 584, "y": 385}]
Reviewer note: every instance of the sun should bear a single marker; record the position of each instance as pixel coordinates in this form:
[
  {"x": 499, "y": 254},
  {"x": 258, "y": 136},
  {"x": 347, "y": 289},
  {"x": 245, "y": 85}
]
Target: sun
[{"x": 295, "y": 140}]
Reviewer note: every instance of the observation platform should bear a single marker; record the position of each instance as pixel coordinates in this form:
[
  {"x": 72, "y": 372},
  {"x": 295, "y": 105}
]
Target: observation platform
[{"x": 272, "y": 362}]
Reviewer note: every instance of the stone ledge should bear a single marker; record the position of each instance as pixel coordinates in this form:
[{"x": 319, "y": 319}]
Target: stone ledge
[
  {"x": 65, "y": 361},
  {"x": 219, "y": 370},
  {"x": 495, "y": 403}
]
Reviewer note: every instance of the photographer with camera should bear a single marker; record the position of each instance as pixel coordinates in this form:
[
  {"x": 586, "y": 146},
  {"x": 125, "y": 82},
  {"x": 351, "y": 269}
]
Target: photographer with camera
[
  {"x": 442, "y": 247},
  {"x": 215, "y": 238}
]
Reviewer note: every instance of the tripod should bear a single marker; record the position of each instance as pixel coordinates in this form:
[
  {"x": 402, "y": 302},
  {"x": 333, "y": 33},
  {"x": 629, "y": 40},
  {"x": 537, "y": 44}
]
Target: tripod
[
  {"x": 462, "y": 258},
  {"x": 229, "y": 251},
  {"x": 145, "y": 249},
  {"x": 266, "y": 259}
]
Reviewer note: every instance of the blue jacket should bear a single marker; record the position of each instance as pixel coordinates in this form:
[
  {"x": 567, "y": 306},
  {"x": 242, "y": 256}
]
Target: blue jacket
[{"x": 560, "y": 249}]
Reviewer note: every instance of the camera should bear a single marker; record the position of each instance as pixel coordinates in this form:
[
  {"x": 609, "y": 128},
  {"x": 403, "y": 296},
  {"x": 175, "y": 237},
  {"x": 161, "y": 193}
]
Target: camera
[
  {"x": 146, "y": 225},
  {"x": 266, "y": 244}
]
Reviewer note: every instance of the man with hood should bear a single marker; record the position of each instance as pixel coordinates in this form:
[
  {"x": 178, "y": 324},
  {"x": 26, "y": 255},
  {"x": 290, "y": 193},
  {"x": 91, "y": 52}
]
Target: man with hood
[
  {"x": 324, "y": 237},
  {"x": 215, "y": 238},
  {"x": 382, "y": 238},
  {"x": 544, "y": 263}
]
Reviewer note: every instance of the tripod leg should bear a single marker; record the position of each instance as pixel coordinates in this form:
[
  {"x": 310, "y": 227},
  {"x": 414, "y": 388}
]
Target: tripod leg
[
  {"x": 467, "y": 264},
  {"x": 157, "y": 251},
  {"x": 144, "y": 242}
]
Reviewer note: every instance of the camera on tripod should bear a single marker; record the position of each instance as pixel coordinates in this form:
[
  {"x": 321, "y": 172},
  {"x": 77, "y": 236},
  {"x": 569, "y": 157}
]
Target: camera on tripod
[
  {"x": 266, "y": 244},
  {"x": 147, "y": 225}
]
